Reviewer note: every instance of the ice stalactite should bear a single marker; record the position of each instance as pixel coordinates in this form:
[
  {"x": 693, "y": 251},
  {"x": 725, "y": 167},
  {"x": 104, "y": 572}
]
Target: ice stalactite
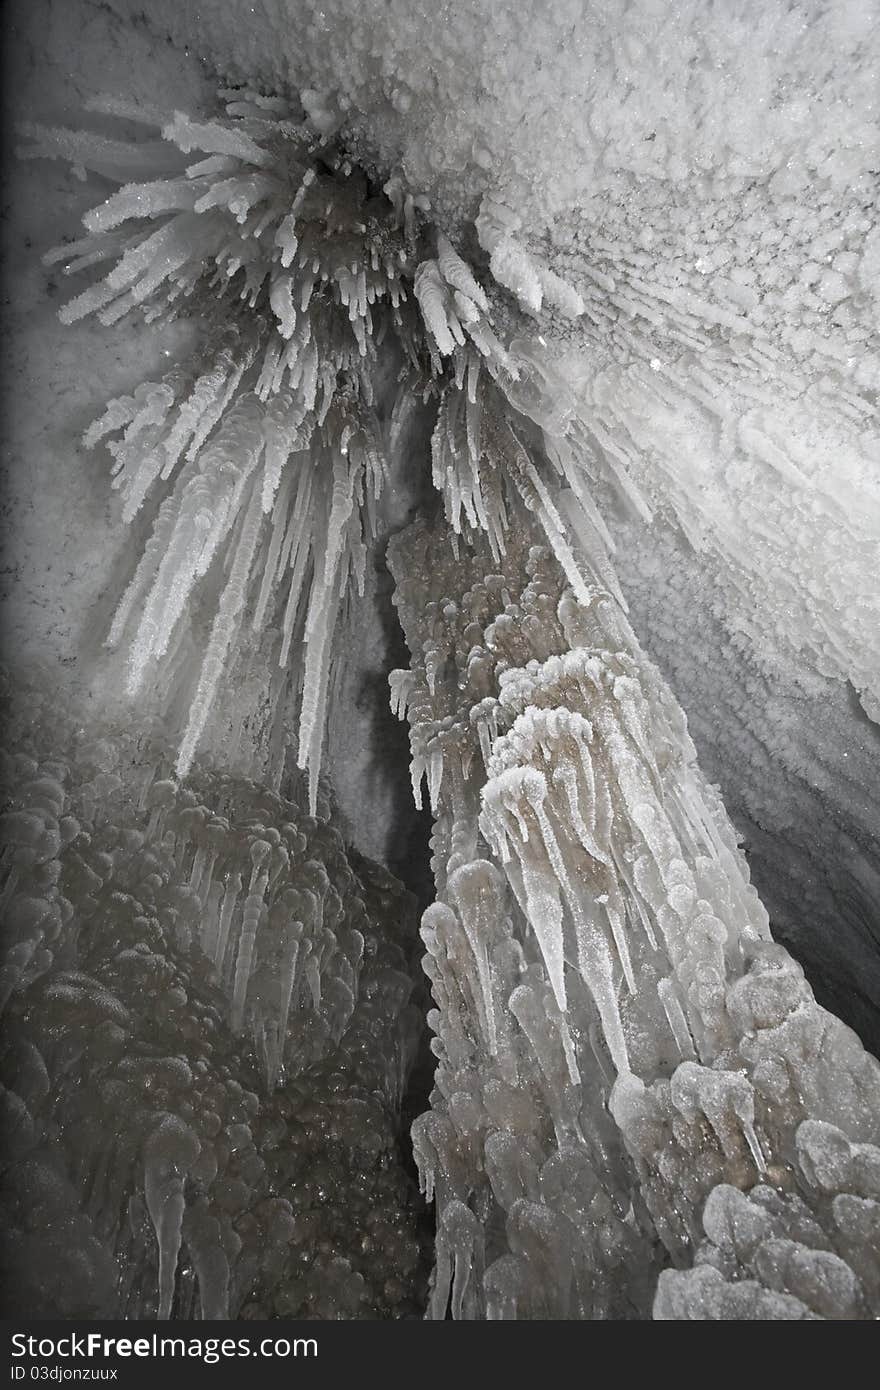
[
  {"x": 532, "y": 282},
  {"x": 631, "y": 1074},
  {"x": 264, "y": 460},
  {"x": 639, "y": 1105},
  {"x": 207, "y": 1029},
  {"x": 707, "y": 182}
]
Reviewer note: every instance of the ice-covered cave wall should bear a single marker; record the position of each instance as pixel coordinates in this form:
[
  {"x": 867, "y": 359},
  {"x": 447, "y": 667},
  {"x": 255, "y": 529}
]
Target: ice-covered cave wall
[
  {"x": 719, "y": 231},
  {"x": 700, "y": 203},
  {"x": 707, "y": 180}
]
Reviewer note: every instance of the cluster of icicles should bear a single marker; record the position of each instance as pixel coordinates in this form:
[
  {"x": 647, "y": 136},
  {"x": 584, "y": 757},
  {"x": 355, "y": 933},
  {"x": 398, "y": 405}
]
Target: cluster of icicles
[
  {"x": 264, "y": 461},
  {"x": 638, "y": 1106},
  {"x": 206, "y": 1033}
]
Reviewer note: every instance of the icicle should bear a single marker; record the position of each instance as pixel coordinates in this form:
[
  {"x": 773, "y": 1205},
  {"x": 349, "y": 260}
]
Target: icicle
[
  {"x": 320, "y": 624},
  {"x": 203, "y": 1241},
  {"x": 169, "y": 1153},
  {"x": 271, "y": 564},
  {"x": 430, "y": 292},
  {"x": 230, "y": 899},
  {"x": 250, "y": 922},
  {"x": 545, "y": 917},
  {"x": 618, "y": 932},
  {"x": 286, "y": 240},
  {"x": 676, "y": 1019},
  {"x": 210, "y": 927},
  {"x": 134, "y": 201},
  {"x": 417, "y": 772},
  {"x": 149, "y": 563},
  {"x": 213, "y": 138},
  {"x": 293, "y": 597},
  {"x": 288, "y": 980},
  {"x": 476, "y": 890},
  {"x": 220, "y": 387},
  {"x": 458, "y": 274},
  {"x": 281, "y": 300},
  {"x": 222, "y": 632},
  {"x": 435, "y": 777}
]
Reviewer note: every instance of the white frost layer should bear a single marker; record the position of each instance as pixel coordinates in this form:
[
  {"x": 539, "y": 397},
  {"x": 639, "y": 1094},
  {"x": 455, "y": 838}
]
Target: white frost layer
[{"x": 554, "y": 102}]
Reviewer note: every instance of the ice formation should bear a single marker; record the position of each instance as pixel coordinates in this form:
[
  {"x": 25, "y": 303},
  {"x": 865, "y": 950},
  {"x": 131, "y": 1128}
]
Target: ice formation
[
  {"x": 268, "y": 454},
  {"x": 639, "y": 1108},
  {"x": 631, "y": 1073},
  {"x": 705, "y": 181},
  {"x": 207, "y": 1029}
]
